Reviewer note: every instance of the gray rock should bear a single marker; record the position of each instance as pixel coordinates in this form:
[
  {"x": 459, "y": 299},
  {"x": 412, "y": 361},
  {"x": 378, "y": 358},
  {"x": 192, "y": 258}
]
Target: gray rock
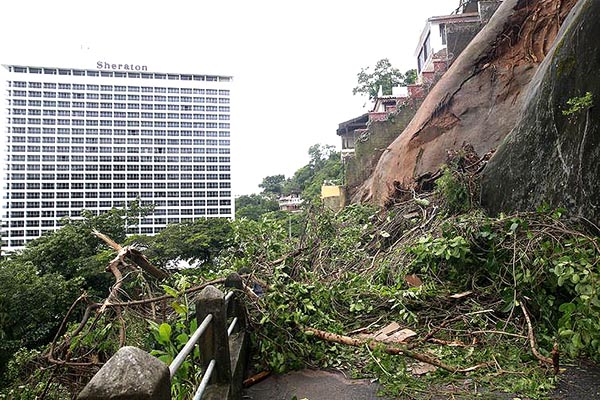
[
  {"x": 552, "y": 156},
  {"x": 130, "y": 374}
]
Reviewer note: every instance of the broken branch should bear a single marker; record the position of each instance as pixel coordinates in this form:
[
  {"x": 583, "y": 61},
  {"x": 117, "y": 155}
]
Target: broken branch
[
  {"x": 393, "y": 350},
  {"x": 531, "y": 336}
]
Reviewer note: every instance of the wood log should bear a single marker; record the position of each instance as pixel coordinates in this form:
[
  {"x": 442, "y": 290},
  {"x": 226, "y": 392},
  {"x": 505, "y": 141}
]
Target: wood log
[{"x": 389, "y": 349}]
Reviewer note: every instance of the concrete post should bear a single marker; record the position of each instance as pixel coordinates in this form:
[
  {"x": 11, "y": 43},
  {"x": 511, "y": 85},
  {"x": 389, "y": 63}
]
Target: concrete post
[
  {"x": 130, "y": 374},
  {"x": 214, "y": 344},
  {"x": 235, "y": 307}
]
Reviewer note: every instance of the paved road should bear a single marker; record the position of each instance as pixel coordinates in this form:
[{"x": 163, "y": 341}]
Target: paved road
[
  {"x": 312, "y": 385},
  {"x": 577, "y": 382}
]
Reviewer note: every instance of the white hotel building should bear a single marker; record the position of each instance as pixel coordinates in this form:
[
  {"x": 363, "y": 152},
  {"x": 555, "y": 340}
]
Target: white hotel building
[{"x": 97, "y": 138}]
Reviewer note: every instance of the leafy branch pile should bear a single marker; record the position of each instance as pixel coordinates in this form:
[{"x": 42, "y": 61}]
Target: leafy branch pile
[
  {"x": 480, "y": 280},
  {"x": 497, "y": 299}
]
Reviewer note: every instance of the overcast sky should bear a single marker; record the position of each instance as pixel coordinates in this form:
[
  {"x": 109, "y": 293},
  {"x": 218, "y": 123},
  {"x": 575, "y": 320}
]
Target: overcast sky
[{"x": 294, "y": 62}]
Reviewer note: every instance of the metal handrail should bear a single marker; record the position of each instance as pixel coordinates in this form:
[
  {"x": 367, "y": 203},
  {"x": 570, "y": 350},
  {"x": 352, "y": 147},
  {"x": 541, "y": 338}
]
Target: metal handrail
[
  {"x": 232, "y": 326},
  {"x": 205, "y": 380},
  {"x": 187, "y": 349}
]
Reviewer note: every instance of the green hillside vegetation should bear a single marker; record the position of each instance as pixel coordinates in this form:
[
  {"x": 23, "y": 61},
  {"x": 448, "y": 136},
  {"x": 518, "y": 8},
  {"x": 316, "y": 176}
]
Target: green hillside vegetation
[{"x": 324, "y": 166}]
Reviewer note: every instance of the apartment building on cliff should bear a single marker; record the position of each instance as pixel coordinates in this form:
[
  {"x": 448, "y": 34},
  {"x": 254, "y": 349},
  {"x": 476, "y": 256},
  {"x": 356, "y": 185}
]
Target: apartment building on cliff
[
  {"x": 103, "y": 136},
  {"x": 444, "y": 37}
]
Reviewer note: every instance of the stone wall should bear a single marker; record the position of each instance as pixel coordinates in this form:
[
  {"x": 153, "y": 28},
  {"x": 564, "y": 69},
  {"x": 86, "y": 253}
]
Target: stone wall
[
  {"x": 374, "y": 142},
  {"x": 458, "y": 37}
]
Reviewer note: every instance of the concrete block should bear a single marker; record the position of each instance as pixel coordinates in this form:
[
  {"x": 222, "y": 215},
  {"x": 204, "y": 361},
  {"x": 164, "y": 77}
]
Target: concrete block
[{"x": 130, "y": 374}]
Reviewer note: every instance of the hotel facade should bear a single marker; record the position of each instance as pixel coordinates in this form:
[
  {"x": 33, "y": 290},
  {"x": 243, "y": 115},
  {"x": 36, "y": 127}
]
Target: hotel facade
[{"x": 103, "y": 137}]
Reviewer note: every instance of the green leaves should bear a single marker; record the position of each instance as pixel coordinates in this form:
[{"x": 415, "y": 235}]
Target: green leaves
[
  {"x": 453, "y": 190},
  {"x": 199, "y": 241},
  {"x": 384, "y": 76},
  {"x": 578, "y": 104},
  {"x": 164, "y": 333}
]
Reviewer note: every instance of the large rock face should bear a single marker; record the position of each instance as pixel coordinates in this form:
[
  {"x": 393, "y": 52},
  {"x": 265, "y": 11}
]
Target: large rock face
[
  {"x": 551, "y": 157},
  {"x": 475, "y": 101}
]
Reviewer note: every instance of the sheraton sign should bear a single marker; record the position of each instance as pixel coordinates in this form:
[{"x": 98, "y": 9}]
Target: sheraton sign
[{"x": 120, "y": 67}]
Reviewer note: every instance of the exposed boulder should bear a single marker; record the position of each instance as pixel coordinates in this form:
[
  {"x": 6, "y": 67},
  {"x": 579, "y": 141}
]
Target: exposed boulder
[
  {"x": 475, "y": 101},
  {"x": 553, "y": 154}
]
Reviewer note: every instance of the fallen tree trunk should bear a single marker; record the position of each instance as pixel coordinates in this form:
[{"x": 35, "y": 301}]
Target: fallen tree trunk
[
  {"x": 394, "y": 350},
  {"x": 134, "y": 255}
]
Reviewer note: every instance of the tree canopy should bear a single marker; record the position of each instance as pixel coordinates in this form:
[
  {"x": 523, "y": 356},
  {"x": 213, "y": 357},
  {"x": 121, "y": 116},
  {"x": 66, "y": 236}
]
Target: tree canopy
[
  {"x": 383, "y": 76},
  {"x": 254, "y": 206},
  {"x": 272, "y": 185},
  {"x": 199, "y": 241},
  {"x": 324, "y": 164}
]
